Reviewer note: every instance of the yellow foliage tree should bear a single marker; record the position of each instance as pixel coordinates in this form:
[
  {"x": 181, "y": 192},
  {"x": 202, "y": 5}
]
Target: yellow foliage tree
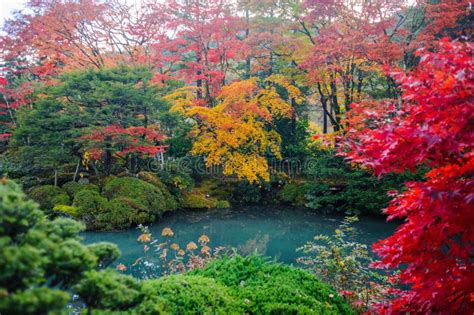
[{"x": 237, "y": 133}]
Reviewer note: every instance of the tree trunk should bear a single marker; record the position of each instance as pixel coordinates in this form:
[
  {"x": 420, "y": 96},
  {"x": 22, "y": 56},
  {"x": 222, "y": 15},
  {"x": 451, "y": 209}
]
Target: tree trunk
[
  {"x": 107, "y": 162},
  {"x": 199, "y": 80},
  {"x": 335, "y": 106},
  {"x": 77, "y": 169},
  {"x": 248, "y": 62}
]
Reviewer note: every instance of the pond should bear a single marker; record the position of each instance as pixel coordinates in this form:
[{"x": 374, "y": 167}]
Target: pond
[{"x": 273, "y": 231}]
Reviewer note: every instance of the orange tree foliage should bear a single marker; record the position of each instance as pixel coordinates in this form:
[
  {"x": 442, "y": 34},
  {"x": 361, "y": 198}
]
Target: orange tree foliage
[
  {"x": 237, "y": 133},
  {"x": 434, "y": 125},
  {"x": 53, "y": 35},
  {"x": 351, "y": 41}
]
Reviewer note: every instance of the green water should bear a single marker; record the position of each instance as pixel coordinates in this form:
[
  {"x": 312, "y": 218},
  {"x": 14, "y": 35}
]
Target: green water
[{"x": 272, "y": 231}]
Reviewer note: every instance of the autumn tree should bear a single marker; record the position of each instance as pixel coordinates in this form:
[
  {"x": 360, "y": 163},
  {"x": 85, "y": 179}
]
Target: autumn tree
[
  {"x": 48, "y": 37},
  {"x": 114, "y": 141},
  {"x": 351, "y": 42},
  {"x": 117, "y": 103},
  {"x": 202, "y": 43},
  {"x": 433, "y": 126},
  {"x": 6, "y": 113},
  {"x": 239, "y": 133}
]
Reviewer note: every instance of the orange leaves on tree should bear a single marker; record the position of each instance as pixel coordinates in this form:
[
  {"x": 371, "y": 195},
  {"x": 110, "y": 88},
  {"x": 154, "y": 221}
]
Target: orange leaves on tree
[{"x": 237, "y": 132}]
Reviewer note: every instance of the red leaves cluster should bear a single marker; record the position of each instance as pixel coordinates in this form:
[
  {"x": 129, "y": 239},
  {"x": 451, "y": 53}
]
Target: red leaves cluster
[
  {"x": 205, "y": 40},
  {"x": 122, "y": 141},
  {"x": 433, "y": 125}
]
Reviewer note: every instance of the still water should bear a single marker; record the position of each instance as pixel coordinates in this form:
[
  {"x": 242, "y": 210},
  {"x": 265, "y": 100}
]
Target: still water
[{"x": 273, "y": 231}]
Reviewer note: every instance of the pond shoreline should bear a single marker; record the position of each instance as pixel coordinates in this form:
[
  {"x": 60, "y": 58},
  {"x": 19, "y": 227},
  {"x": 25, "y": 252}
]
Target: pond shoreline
[
  {"x": 172, "y": 213},
  {"x": 273, "y": 231}
]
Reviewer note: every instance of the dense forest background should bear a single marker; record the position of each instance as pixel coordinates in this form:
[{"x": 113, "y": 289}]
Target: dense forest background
[{"x": 113, "y": 113}]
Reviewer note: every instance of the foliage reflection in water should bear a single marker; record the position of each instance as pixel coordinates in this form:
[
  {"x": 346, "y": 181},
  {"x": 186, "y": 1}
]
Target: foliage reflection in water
[{"x": 270, "y": 230}]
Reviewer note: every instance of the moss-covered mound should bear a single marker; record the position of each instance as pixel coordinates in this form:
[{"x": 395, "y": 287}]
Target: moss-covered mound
[
  {"x": 115, "y": 203},
  {"x": 274, "y": 288},
  {"x": 48, "y": 196},
  {"x": 124, "y": 202},
  {"x": 72, "y": 188},
  {"x": 207, "y": 194},
  {"x": 231, "y": 285},
  {"x": 90, "y": 203},
  {"x": 157, "y": 200}
]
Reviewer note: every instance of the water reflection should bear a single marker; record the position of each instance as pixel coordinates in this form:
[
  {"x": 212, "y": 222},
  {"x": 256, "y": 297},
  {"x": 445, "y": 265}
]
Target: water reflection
[{"x": 272, "y": 231}]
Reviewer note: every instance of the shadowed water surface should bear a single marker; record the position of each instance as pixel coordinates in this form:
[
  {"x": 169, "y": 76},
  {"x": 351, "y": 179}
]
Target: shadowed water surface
[{"x": 272, "y": 231}]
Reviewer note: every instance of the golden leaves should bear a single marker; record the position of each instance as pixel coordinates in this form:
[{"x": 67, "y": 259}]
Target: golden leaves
[
  {"x": 144, "y": 238},
  {"x": 191, "y": 246},
  {"x": 237, "y": 133},
  {"x": 204, "y": 239},
  {"x": 121, "y": 267},
  {"x": 167, "y": 232},
  {"x": 181, "y": 99}
]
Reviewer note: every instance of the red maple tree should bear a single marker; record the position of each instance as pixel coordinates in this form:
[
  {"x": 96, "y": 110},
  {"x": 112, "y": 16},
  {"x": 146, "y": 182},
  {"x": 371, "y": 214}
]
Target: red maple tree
[
  {"x": 433, "y": 125},
  {"x": 201, "y": 42},
  {"x": 116, "y": 141}
]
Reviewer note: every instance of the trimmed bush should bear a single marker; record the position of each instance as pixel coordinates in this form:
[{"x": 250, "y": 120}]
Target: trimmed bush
[
  {"x": 109, "y": 290},
  {"x": 90, "y": 204},
  {"x": 124, "y": 212},
  {"x": 131, "y": 202},
  {"x": 294, "y": 194},
  {"x": 185, "y": 294},
  {"x": 229, "y": 285},
  {"x": 273, "y": 288},
  {"x": 69, "y": 210},
  {"x": 145, "y": 194},
  {"x": 72, "y": 188},
  {"x": 152, "y": 179},
  {"x": 47, "y": 196}
]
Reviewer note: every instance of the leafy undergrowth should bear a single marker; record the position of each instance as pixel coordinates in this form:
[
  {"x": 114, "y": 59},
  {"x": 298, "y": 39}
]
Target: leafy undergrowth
[
  {"x": 264, "y": 287},
  {"x": 230, "y": 285}
]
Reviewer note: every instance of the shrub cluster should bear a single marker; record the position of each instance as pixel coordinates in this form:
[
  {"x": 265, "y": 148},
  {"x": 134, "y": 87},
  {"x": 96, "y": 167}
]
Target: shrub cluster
[
  {"x": 118, "y": 203},
  {"x": 41, "y": 260},
  {"x": 48, "y": 196},
  {"x": 335, "y": 186},
  {"x": 230, "y": 285}
]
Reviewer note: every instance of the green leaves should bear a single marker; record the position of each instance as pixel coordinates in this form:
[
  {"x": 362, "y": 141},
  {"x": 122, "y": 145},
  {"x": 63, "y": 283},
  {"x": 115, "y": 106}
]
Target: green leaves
[
  {"x": 46, "y": 138},
  {"x": 344, "y": 264},
  {"x": 39, "y": 257}
]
